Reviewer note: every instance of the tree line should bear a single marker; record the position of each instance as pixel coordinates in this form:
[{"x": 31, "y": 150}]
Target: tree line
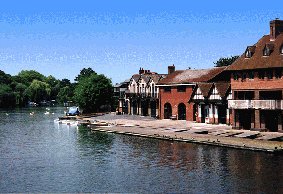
[{"x": 89, "y": 90}]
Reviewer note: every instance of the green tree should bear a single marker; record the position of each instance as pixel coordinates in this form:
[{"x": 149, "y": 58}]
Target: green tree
[
  {"x": 226, "y": 61},
  {"x": 26, "y": 77},
  {"x": 39, "y": 90},
  {"x": 65, "y": 94},
  {"x": 21, "y": 96},
  {"x": 5, "y": 78},
  {"x": 7, "y": 96},
  {"x": 93, "y": 92},
  {"x": 85, "y": 73},
  {"x": 64, "y": 83}
]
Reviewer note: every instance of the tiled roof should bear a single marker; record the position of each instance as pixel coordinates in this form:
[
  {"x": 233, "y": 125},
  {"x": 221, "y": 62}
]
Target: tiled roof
[
  {"x": 191, "y": 76},
  {"x": 136, "y": 77},
  {"x": 258, "y": 61},
  {"x": 205, "y": 88},
  {"x": 222, "y": 88}
]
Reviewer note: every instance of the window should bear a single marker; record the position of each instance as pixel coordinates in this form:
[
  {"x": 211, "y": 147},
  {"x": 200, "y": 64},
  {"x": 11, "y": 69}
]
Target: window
[
  {"x": 251, "y": 75},
  {"x": 261, "y": 75},
  {"x": 250, "y": 51},
  {"x": 244, "y": 76},
  {"x": 167, "y": 89},
  {"x": 181, "y": 89},
  {"x": 236, "y": 76},
  {"x": 278, "y": 74},
  {"x": 269, "y": 74},
  {"x": 248, "y": 54},
  {"x": 268, "y": 49},
  {"x": 281, "y": 50}
]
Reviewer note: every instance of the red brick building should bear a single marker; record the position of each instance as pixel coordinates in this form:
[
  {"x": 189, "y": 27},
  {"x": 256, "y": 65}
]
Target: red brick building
[
  {"x": 177, "y": 90},
  {"x": 257, "y": 84}
]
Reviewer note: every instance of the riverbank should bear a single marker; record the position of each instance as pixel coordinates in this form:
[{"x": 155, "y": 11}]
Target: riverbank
[{"x": 187, "y": 131}]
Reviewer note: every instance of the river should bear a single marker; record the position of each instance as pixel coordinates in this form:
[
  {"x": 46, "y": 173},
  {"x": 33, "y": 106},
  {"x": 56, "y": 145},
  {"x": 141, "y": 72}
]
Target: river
[{"x": 38, "y": 155}]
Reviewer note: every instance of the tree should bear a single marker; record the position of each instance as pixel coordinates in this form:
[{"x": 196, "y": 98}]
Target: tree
[
  {"x": 85, "y": 73},
  {"x": 64, "y": 83},
  {"x": 226, "y": 61},
  {"x": 65, "y": 94},
  {"x": 93, "y": 92},
  {"x": 5, "y": 78},
  {"x": 39, "y": 91},
  {"x": 26, "y": 77},
  {"x": 7, "y": 96}
]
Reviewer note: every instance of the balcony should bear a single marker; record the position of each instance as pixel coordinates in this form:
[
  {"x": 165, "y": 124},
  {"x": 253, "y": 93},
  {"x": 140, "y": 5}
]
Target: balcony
[
  {"x": 239, "y": 104},
  {"x": 141, "y": 95},
  {"x": 255, "y": 104}
]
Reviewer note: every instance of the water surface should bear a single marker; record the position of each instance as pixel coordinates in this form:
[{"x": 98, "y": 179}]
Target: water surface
[{"x": 38, "y": 155}]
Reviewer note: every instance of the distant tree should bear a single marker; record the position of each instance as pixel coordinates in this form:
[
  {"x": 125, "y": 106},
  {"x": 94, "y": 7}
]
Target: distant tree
[
  {"x": 64, "y": 83},
  {"x": 85, "y": 73},
  {"x": 26, "y": 77},
  {"x": 65, "y": 94},
  {"x": 7, "y": 96},
  {"x": 92, "y": 92},
  {"x": 21, "y": 95},
  {"x": 5, "y": 78},
  {"x": 226, "y": 61},
  {"x": 39, "y": 91}
]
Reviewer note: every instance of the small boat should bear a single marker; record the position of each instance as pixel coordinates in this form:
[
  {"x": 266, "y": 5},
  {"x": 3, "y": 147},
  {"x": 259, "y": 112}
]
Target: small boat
[
  {"x": 57, "y": 121},
  {"x": 101, "y": 125},
  {"x": 32, "y": 113},
  {"x": 46, "y": 113}
]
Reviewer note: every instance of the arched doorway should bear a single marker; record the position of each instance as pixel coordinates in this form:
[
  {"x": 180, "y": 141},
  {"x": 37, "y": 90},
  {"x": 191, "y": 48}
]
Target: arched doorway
[
  {"x": 135, "y": 107},
  {"x": 182, "y": 111},
  {"x": 167, "y": 111}
]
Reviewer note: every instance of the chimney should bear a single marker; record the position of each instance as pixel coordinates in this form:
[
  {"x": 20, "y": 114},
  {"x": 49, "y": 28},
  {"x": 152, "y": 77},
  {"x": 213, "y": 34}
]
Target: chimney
[
  {"x": 276, "y": 27},
  {"x": 171, "y": 69},
  {"x": 141, "y": 71}
]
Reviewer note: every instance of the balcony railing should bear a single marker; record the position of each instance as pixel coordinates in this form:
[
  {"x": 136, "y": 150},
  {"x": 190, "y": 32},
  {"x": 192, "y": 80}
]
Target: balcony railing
[
  {"x": 255, "y": 104},
  {"x": 141, "y": 95},
  {"x": 239, "y": 104}
]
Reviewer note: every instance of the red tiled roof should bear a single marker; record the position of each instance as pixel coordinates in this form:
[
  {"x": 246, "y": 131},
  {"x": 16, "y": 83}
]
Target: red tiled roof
[
  {"x": 191, "y": 76},
  {"x": 205, "y": 88},
  {"x": 222, "y": 88},
  {"x": 258, "y": 61}
]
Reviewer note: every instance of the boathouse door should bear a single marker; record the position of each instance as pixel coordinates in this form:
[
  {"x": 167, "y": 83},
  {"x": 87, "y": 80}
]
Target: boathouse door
[
  {"x": 182, "y": 111},
  {"x": 167, "y": 111}
]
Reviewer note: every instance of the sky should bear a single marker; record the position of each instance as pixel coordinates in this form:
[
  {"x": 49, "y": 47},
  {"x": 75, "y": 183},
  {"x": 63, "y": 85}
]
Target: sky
[{"x": 116, "y": 38}]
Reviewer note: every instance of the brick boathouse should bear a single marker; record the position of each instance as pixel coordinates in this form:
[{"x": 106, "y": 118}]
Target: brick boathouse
[
  {"x": 192, "y": 95},
  {"x": 257, "y": 85}
]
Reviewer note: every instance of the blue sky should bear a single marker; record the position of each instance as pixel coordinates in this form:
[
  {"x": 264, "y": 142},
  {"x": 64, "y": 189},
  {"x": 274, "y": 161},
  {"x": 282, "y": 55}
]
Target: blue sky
[{"x": 116, "y": 38}]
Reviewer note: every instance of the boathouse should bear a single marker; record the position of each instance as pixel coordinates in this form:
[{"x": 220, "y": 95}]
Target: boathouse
[
  {"x": 257, "y": 85},
  {"x": 192, "y": 95}
]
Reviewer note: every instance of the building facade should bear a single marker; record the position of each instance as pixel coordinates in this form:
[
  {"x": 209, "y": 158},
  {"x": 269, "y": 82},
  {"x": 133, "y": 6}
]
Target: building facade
[
  {"x": 119, "y": 93},
  {"x": 192, "y": 95},
  {"x": 142, "y": 94},
  {"x": 257, "y": 84},
  {"x": 211, "y": 102}
]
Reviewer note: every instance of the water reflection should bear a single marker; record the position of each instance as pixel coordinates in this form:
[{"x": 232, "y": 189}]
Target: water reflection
[
  {"x": 38, "y": 155},
  {"x": 93, "y": 142}
]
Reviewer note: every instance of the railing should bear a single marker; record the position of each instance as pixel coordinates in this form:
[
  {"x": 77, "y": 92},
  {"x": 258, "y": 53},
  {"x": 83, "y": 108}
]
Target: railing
[
  {"x": 239, "y": 104},
  {"x": 255, "y": 104},
  {"x": 141, "y": 95}
]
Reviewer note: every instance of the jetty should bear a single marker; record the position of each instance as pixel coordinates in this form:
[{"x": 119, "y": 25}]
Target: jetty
[{"x": 188, "y": 131}]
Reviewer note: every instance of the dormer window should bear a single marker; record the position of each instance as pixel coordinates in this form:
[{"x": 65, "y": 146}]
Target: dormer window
[
  {"x": 250, "y": 51},
  {"x": 268, "y": 49},
  {"x": 281, "y": 50}
]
